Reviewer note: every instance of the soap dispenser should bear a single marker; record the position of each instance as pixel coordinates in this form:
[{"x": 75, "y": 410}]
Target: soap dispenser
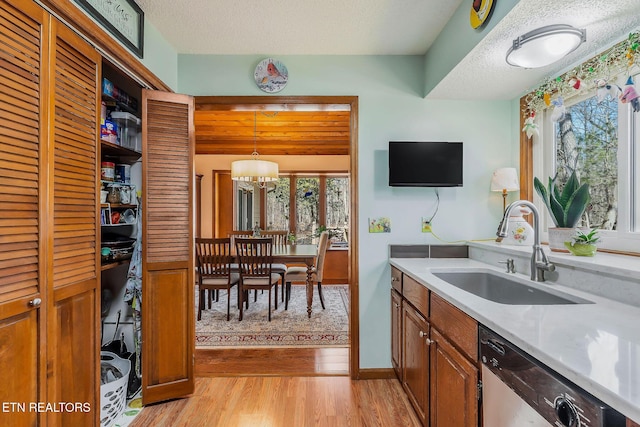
[{"x": 520, "y": 231}]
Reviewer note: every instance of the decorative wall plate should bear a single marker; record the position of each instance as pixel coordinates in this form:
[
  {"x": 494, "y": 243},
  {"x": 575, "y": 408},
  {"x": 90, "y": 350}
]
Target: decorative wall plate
[
  {"x": 480, "y": 11},
  {"x": 271, "y": 75}
]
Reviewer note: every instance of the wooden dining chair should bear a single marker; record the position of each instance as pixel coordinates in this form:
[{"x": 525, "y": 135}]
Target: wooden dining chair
[
  {"x": 279, "y": 239},
  {"x": 238, "y": 233},
  {"x": 299, "y": 274},
  {"x": 255, "y": 260},
  {"x": 279, "y": 236},
  {"x": 214, "y": 270}
]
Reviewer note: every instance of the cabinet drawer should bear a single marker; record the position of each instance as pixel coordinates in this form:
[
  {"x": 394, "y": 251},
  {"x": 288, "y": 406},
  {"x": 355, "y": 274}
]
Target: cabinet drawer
[
  {"x": 396, "y": 279},
  {"x": 459, "y": 328},
  {"x": 416, "y": 294}
]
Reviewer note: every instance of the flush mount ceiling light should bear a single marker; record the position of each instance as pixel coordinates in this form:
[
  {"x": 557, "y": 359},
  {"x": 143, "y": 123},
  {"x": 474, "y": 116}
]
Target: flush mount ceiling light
[
  {"x": 545, "y": 45},
  {"x": 254, "y": 170}
]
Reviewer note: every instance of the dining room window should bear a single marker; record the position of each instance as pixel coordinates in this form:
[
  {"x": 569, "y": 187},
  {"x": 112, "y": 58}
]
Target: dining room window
[
  {"x": 337, "y": 209},
  {"x": 306, "y": 205},
  {"x": 278, "y": 204},
  {"x": 307, "y": 209}
]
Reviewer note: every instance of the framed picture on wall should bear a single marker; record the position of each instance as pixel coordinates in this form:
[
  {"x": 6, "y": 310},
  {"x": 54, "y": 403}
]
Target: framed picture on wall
[{"x": 122, "y": 18}]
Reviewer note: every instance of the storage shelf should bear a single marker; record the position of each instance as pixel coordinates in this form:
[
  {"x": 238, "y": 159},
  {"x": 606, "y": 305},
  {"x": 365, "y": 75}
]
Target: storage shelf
[
  {"x": 109, "y": 100},
  {"x": 123, "y": 154},
  {"x": 114, "y": 264},
  {"x": 118, "y": 206}
]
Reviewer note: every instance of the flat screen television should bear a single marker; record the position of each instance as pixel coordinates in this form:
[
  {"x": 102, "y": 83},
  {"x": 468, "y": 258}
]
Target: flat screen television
[{"x": 425, "y": 164}]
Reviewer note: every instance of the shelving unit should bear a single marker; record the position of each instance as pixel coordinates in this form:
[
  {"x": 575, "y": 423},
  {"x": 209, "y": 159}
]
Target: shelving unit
[
  {"x": 114, "y": 272},
  {"x": 109, "y": 208}
]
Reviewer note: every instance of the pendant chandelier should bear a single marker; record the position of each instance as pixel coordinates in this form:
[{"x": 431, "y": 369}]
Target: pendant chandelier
[{"x": 254, "y": 170}]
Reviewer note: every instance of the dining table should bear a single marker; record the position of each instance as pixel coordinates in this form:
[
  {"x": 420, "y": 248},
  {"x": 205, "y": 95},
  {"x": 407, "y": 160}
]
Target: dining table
[{"x": 299, "y": 253}]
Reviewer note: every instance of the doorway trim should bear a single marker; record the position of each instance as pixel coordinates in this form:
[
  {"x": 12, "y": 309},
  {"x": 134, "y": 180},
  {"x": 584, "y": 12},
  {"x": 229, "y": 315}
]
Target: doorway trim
[{"x": 264, "y": 102}]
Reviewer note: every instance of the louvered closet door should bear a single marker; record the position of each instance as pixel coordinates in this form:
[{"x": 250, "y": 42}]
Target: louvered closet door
[
  {"x": 73, "y": 329},
  {"x": 23, "y": 29},
  {"x": 168, "y": 328}
]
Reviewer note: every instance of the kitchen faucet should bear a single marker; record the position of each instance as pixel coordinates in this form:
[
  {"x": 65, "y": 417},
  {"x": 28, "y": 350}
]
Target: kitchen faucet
[{"x": 539, "y": 261}]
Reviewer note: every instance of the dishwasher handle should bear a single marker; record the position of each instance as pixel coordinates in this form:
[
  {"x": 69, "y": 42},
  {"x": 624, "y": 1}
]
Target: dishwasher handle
[{"x": 496, "y": 346}]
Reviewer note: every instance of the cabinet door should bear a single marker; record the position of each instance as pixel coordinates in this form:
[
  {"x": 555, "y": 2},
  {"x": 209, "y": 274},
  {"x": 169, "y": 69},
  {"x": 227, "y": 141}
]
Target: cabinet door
[
  {"x": 454, "y": 386},
  {"x": 73, "y": 262},
  {"x": 168, "y": 320},
  {"x": 24, "y": 31},
  {"x": 396, "y": 333},
  {"x": 415, "y": 364}
]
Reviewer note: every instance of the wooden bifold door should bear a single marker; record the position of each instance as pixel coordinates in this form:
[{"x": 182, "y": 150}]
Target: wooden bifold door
[{"x": 50, "y": 228}]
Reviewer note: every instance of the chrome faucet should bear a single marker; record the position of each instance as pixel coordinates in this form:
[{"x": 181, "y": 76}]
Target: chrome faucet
[{"x": 539, "y": 261}]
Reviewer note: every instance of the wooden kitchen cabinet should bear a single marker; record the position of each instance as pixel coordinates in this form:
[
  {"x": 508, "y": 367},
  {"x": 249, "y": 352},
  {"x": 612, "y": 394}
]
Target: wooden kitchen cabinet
[
  {"x": 396, "y": 333},
  {"x": 438, "y": 355},
  {"x": 453, "y": 385},
  {"x": 630, "y": 423},
  {"x": 415, "y": 361}
]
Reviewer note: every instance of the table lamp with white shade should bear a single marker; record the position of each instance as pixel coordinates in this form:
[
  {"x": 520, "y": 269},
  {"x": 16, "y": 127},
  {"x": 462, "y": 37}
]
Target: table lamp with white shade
[{"x": 505, "y": 180}]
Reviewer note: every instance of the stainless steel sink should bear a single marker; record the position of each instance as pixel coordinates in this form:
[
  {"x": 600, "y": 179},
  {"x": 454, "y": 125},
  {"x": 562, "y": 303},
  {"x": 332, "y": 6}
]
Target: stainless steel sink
[{"x": 498, "y": 288}]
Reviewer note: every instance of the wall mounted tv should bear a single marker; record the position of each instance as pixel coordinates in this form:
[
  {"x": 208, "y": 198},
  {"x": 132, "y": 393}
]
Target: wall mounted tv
[{"x": 425, "y": 164}]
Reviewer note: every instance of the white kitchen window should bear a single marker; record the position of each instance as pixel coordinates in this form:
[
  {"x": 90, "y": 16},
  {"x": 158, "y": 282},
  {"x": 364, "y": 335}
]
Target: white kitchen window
[{"x": 599, "y": 139}]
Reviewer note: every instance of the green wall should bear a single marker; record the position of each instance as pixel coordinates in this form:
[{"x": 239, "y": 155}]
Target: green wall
[{"x": 159, "y": 56}]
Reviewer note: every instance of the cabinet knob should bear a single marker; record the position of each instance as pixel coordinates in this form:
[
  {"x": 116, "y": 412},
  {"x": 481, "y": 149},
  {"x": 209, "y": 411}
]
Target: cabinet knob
[
  {"x": 393, "y": 279},
  {"x": 429, "y": 341},
  {"x": 35, "y": 302},
  {"x": 397, "y": 305},
  {"x": 422, "y": 334}
]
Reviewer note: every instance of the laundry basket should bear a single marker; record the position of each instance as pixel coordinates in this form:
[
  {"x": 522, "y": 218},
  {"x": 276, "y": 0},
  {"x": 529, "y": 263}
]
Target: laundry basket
[{"x": 113, "y": 395}]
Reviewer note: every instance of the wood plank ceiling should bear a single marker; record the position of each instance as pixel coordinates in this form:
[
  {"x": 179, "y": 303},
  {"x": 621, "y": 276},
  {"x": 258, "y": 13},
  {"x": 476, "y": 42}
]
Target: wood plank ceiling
[{"x": 220, "y": 130}]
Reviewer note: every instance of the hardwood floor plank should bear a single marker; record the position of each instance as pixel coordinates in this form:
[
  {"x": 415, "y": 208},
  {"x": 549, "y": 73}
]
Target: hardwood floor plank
[
  {"x": 272, "y": 361},
  {"x": 285, "y": 402}
]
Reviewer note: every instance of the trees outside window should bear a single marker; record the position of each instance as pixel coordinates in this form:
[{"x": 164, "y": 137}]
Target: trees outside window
[
  {"x": 317, "y": 203},
  {"x": 586, "y": 141},
  {"x": 278, "y": 204},
  {"x": 337, "y": 197},
  {"x": 307, "y": 209}
]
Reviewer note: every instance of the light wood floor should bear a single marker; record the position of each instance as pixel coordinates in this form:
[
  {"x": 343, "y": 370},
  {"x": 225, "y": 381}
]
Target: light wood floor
[
  {"x": 282, "y": 388},
  {"x": 272, "y": 362},
  {"x": 285, "y": 402}
]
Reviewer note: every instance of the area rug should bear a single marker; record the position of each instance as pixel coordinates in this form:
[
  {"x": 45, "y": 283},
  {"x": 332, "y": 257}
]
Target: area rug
[{"x": 290, "y": 328}]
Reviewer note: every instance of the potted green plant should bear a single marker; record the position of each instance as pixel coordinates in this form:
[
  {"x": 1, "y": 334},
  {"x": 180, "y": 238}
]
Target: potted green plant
[
  {"x": 565, "y": 207},
  {"x": 583, "y": 244}
]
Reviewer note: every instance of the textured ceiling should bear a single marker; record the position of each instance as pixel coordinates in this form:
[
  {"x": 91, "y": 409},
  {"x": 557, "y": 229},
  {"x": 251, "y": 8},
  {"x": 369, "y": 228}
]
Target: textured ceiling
[
  {"x": 303, "y": 27},
  {"x": 388, "y": 27},
  {"x": 484, "y": 73}
]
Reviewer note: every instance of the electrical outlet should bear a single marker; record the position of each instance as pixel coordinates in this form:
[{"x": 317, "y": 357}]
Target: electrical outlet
[{"x": 426, "y": 226}]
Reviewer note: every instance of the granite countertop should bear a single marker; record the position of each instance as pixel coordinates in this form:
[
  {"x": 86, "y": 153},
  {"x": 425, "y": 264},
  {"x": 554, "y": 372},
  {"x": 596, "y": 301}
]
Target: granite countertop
[{"x": 597, "y": 346}]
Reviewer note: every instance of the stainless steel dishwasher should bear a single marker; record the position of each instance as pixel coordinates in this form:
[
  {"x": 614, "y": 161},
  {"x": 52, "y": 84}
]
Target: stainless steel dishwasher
[{"x": 519, "y": 391}]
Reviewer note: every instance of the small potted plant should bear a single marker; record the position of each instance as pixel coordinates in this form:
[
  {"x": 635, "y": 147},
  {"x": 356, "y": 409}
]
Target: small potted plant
[
  {"x": 565, "y": 207},
  {"x": 583, "y": 244}
]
